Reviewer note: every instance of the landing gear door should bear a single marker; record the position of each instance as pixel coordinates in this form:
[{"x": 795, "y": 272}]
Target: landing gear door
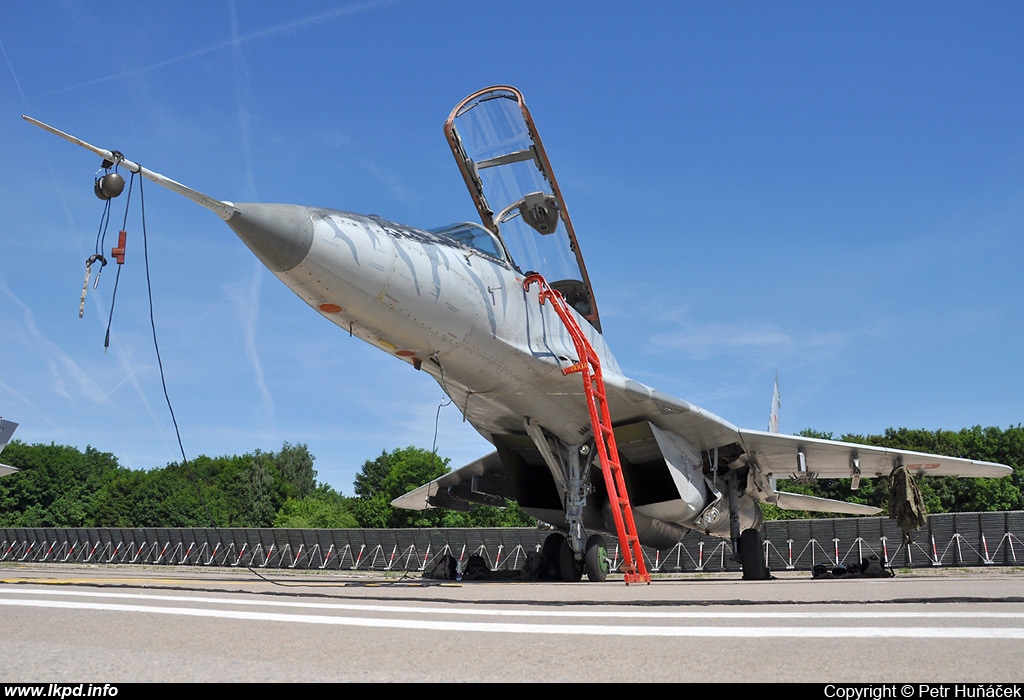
[{"x": 502, "y": 160}]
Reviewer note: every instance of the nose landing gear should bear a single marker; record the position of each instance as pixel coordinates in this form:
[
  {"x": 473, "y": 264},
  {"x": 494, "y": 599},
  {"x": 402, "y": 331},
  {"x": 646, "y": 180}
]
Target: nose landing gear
[{"x": 562, "y": 565}]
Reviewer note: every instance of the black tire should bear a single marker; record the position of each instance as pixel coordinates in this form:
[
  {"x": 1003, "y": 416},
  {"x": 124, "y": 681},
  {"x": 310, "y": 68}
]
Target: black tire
[
  {"x": 552, "y": 551},
  {"x": 752, "y": 556},
  {"x": 571, "y": 570},
  {"x": 595, "y": 559}
]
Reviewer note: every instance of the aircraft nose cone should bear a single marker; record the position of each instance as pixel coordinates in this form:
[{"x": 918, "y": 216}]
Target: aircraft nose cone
[{"x": 280, "y": 235}]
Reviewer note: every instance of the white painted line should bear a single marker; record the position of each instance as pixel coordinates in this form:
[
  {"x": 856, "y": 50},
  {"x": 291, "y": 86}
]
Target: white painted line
[
  {"x": 511, "y": 628},
  {"x": 589, "y": 612}
]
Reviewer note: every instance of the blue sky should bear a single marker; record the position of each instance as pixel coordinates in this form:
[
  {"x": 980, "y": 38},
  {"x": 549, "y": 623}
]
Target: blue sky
[{"x": 830, "y": 191}]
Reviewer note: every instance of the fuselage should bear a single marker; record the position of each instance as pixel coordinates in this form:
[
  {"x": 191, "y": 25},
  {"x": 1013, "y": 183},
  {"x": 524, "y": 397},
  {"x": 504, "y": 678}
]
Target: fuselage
[{"x": 444, "y": 307}]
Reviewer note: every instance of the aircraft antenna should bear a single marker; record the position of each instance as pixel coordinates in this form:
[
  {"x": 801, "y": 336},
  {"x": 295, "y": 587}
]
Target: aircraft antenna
[
  {"x": 224, "y": 210},
  {"x": 589, "y": 365}
]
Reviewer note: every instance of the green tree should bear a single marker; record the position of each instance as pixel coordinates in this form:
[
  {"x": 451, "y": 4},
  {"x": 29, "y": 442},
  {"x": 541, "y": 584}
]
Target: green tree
[
  {"x": 389, "y": 476},
  {"x": 56, "y": 487},
  {"x": 296, "y": 465},
  {"x": 257, "y": 495},
  {"x": 395, "y": 473},
  {"x": 325, "y": 508},
  {"x": 370, "y": 479},
  {"x": 63, "y": 487},
  {"x": 372, "y": 511},
  {"x": 487, "y": 516}
]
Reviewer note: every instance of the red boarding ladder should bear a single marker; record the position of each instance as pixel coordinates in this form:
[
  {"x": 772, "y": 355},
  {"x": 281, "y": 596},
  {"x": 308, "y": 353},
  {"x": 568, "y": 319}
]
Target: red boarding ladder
[{"x": 593, "y": 386}]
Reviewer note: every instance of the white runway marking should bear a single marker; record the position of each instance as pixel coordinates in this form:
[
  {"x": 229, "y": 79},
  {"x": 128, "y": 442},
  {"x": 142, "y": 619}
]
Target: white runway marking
[
  {"x": 442, "y": 609},
  {"x": 874, "y": 631}
]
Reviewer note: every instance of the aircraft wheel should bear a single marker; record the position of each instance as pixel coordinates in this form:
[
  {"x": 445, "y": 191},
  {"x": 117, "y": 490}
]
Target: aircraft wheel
[
  {"x": 552, "y": 552},
  {"x": 568, "y": 567},
  {"x": 752, "y": 556},
  {"x": 595, "y": 561}
]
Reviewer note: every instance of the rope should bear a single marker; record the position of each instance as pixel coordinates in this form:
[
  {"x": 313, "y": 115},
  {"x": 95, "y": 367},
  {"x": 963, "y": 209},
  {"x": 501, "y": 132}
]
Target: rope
[
  {"x": 101, "y": 235},
  {"x": 446, "y": 401},
  {"x": 159, "y": 360},
  {"x": 120, "y": 257}
]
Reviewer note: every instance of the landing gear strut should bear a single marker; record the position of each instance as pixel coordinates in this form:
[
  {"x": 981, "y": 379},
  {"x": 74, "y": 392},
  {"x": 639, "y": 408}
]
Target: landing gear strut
[{"x": 748, "y": 546}]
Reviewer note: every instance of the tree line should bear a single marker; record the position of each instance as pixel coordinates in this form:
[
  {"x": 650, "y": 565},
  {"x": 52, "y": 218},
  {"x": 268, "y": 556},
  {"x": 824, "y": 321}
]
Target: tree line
[{"x": 61, "y": 486}]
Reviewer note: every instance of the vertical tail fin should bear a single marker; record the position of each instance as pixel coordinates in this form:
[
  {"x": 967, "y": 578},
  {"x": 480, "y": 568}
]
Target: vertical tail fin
[{"x": 773, "y": 417}]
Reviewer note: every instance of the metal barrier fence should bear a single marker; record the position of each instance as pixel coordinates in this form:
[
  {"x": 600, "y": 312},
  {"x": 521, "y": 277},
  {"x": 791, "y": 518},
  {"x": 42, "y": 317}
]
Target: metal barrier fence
[{"x": 949, "y": 539}]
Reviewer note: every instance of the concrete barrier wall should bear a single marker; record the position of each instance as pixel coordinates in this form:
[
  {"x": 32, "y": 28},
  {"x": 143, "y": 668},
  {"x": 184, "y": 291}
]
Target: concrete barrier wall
[{"x": 949, "y": 539}]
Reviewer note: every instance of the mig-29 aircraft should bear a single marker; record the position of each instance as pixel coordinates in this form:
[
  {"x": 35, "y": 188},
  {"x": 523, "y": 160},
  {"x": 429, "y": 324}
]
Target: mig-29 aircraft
[{"x": 502, "y": 315}]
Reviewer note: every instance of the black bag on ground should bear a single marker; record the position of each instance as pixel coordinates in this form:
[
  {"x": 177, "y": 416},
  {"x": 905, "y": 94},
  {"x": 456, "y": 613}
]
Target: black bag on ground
[{"x": 444, "y": 569}]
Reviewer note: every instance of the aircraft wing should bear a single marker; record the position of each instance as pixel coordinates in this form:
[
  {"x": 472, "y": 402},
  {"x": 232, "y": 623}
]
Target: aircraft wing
[
  {"x": 816, "y": 504},
  {"x": 779, "y": 457},
  {"x": 6, "y": 431},
  {"x": 776, "y": 456},
  {"x": 481, "y": 482}
]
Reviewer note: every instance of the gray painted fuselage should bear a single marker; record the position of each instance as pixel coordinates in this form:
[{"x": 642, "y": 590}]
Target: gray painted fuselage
[{"x": 460, "y": 315}]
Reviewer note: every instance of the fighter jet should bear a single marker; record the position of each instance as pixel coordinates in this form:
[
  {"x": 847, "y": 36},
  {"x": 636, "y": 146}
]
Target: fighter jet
[{"x": 502, "y": 314}]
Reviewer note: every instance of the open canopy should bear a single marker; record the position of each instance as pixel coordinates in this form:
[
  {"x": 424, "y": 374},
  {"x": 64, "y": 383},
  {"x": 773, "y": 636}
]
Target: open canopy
[{"x": 502, "y": 160}]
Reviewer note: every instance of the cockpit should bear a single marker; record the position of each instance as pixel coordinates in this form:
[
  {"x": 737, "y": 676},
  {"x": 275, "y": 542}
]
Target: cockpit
[
  {"x": 525, "y": 222},
  {"x": 474, "y": 236}
]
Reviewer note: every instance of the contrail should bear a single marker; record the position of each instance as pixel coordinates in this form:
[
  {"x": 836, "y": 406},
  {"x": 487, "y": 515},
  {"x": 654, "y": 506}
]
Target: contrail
[{"x": 294, "y": 25}]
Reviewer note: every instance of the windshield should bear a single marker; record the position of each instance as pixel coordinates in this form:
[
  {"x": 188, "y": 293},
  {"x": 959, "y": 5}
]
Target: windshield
[{"x": 473, "y": 236}]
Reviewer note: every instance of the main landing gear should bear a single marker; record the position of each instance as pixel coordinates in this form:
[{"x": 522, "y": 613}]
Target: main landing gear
[
  {"x": 752, "y": 556},
  {"x": 561, "y": 563}
]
